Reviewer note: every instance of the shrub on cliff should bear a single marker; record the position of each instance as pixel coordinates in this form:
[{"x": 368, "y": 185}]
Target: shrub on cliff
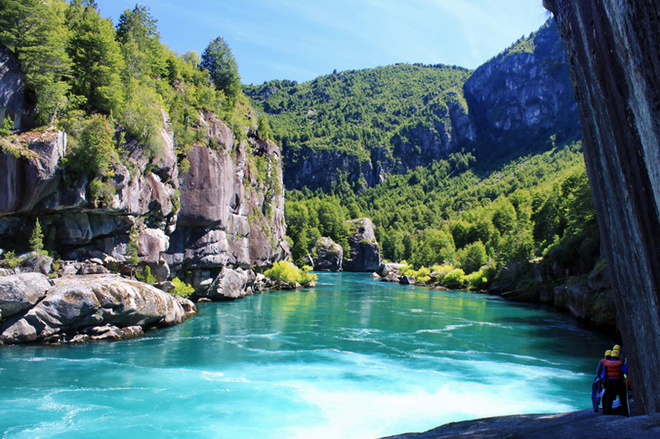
[
  {"x": 95, "y": 151},
  {"x": 181, "y": 288}
]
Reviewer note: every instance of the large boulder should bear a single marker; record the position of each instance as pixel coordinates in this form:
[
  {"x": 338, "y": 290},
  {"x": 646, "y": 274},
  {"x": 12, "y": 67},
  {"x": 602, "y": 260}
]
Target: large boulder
[
  {"x": 20, "y": 292},
  {"x": 76, "y": 305},
  {"x": 364, "y": 250},
  {"x": 327, "y": 255},
  {"x": 229, "y": 284}
]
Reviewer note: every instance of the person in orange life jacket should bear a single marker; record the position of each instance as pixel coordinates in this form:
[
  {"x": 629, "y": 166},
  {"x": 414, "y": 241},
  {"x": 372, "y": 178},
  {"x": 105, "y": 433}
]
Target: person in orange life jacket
[
  {"x": 622, "y": 357},
  {"x": 601, "y": 363},
  {"x": 614, "y": 374}
]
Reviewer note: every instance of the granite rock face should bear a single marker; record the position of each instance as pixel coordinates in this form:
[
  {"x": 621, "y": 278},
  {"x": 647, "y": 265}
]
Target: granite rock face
[
  {"x": 232, "y": 207},
  {"x": 364, "y": 250},
  {"x": 327, "y": 255},
  {"x": 523, "y": 96},
  {"x": 614, "y": 62},
  {"x": 34, "y": 184},
  {"x": 231, "y": 203},
  {"x": 79, "y": 307},
  {"x": 419, "y": 144},
  {"x": 12, "y": 87},
  {"x": 20, "y": 292}
]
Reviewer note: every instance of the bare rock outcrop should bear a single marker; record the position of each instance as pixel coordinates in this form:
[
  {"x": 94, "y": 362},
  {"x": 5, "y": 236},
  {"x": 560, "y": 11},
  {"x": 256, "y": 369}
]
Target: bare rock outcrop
[
  {"x": 12, "y": 87},
  {"x": 327, "y": 255},
  {"x": 523, "y": 94},
  {"x": 34, "y": 184},
  {"x": 365, "y": 251},
  {"x": 232, "y": 207},
  {"x": 20, "y": 292},
  {"x": 613, "y": 58},
  {"x": 81, "y": 308}
]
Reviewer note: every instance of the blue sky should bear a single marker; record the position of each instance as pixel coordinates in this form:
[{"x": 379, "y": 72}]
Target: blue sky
[{"x": 303, "y": 39}]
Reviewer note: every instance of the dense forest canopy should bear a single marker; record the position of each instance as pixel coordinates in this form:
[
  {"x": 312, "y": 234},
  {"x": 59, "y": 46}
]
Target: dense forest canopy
[{"x": 449, "y": 214}]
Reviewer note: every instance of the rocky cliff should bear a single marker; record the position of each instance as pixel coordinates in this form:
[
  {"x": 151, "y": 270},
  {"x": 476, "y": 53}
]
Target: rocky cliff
[
  {"x": 75, "y": 222},
  {"x": 227, "y": 210},
  {"x": 523, "y": 96},
  {"x": 519, "y": 102},
  {"x": 232, "y": 207},
  {"x": 614, "y": 63}
]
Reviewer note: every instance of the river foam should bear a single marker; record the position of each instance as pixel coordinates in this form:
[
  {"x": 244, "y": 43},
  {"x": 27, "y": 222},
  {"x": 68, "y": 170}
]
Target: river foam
[{"x": 352, "y": 358}]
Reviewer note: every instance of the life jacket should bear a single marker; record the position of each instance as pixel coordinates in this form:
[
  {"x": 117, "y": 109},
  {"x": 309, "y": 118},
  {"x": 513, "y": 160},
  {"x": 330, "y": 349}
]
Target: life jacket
[
  {"x": 613, "y": 369},
  {"x": 601, "y": 364}
]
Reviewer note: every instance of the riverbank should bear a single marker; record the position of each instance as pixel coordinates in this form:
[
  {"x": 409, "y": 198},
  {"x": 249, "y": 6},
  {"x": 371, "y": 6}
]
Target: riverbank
[
  {"x": 580, "y": 424},
  {"x": 586, "y": 298}
]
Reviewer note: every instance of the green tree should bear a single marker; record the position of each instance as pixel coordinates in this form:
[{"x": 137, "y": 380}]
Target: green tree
[
  {"x": 219, "y": 61},
  {"x": 35, "y": 31},
  {"x": 473, "y": 256},
  {"x": 132, "y": 255},
  {"x": 137, "y": 31},
  {"x": 504, "y": 217},
  {"x": 96, "y": 59},
  {"x": 433, "y": 247},
  {"x": 37, "y": 239},
  {"x": 95, "y": 152},
  {"x": 7, "y": 126}
]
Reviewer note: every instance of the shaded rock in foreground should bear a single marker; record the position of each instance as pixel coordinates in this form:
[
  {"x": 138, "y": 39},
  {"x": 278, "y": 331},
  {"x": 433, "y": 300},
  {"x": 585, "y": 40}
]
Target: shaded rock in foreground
[
  {"x": 582, "y": 424},
  {"x": 614, "y": 63}
]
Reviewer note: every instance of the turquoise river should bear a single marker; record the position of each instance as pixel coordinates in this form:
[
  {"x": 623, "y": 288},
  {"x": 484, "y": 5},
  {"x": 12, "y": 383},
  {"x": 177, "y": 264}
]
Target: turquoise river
[{"x": 351, "y": 358}]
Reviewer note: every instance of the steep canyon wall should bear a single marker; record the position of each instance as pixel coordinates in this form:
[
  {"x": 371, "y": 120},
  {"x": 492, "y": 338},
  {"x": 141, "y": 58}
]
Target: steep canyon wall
[{"x": 613, "y": 52}]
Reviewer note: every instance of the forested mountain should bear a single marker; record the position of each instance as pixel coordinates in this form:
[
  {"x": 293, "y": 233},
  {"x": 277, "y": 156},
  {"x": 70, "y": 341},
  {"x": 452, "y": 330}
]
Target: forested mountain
[
  {"x": 336, "y": 130},
  {"x": 348, "y": 131}
]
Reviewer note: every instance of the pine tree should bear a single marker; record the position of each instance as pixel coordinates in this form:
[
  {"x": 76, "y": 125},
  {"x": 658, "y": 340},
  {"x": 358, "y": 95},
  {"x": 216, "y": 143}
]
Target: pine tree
[
  {"x": 96, "y": 59},
  {"x": 37, "y": 239},
  {"x": 218, "y": 60},
  {"x": 132, "y": 247},
  {"x": 137, "y": 32}
]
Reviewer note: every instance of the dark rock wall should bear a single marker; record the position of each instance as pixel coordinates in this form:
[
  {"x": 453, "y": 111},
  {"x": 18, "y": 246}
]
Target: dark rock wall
[
  {"x": 613, "y": 53},
  {"x": 523, "y": 96}
]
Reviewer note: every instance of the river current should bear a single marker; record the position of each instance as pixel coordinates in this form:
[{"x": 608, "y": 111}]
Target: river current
[{"x": 351, "y": 358}]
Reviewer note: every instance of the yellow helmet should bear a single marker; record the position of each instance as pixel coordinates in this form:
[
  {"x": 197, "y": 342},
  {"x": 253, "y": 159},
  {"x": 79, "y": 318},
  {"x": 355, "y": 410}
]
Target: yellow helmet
[
  {"x": 616, "y": 348},
  {"x": 615, "y": 354},
  {"x": 608, "y": 353}
]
